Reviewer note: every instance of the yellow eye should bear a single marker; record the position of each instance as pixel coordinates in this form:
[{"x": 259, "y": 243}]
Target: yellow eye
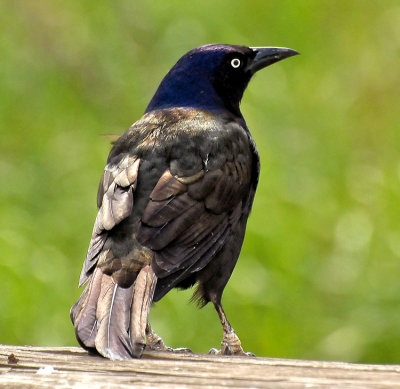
[{"x": 235, "y": 63}]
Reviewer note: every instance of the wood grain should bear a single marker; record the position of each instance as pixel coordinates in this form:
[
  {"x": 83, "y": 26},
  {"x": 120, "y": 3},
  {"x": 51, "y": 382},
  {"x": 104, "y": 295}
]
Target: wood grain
[{"x": 72, "y": 367}]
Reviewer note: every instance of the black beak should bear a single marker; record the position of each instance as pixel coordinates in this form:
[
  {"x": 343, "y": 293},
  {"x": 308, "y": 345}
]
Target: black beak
[{"x": 266, "y": 56}]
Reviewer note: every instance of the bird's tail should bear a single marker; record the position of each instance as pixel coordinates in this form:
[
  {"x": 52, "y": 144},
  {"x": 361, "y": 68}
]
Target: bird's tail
[{"x": 113, "y": 319}]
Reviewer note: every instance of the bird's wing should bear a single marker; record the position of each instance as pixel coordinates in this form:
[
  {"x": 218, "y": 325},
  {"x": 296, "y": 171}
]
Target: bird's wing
[
  {"x": 189, "y": 217},
  {"x": 199, "y": 192},
  {"x": 115, "y": 203}
]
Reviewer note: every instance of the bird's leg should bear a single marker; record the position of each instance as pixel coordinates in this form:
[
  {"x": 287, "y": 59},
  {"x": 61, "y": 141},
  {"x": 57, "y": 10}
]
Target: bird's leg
[
  {"x": 155, "y": 343},
  {"x": 230, "y": 344}
]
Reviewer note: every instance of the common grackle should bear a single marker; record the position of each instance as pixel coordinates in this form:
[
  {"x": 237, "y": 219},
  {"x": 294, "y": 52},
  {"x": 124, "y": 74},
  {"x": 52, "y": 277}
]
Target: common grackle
[{"x": 173, "y": 202}]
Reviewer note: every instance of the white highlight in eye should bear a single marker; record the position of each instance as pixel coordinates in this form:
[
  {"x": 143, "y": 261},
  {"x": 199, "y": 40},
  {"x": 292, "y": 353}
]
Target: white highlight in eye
[{"x": 235, "y": 63}]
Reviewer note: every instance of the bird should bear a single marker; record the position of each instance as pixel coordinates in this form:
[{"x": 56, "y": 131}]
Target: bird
[{"x": 173, "y": 203}]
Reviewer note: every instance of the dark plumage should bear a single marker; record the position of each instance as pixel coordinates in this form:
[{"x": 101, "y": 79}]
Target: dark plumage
[{"x": 173, "y": 202}]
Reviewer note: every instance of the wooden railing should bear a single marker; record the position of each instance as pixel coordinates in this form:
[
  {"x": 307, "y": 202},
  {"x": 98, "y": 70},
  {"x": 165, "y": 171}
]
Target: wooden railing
[{"x": 72, "y": 367}]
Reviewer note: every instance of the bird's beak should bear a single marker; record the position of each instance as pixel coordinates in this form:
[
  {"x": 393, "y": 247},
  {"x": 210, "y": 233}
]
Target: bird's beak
[{"x": 266, "y": 56}]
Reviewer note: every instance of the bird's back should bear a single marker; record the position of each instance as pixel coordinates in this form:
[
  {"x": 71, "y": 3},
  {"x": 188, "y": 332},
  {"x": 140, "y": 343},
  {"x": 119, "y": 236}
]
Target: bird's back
[{"x": 195, "y": 169}]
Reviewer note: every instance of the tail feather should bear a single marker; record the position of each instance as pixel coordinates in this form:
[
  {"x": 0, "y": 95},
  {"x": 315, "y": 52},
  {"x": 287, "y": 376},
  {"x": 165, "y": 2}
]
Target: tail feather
[
  {"x": 144, "y": 290},
  {"x": 112, "y": 319},
  {"x": 113, "y": 315},
  {"x": 83, "y": 313}
]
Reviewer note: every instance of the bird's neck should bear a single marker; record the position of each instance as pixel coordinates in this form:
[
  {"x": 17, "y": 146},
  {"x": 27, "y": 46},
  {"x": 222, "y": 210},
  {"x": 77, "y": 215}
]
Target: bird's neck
[{"x": 190, "y": 91}]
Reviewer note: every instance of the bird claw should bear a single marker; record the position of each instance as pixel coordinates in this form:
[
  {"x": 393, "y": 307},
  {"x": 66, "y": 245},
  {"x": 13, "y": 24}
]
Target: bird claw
[
  {"x": 215, "y": 351},
  {"x": 155, "y": 343},
  {"x": 231, "y": 345},
  {"x": 160, "y": 346},
  {"x": 180, "y": 350}
]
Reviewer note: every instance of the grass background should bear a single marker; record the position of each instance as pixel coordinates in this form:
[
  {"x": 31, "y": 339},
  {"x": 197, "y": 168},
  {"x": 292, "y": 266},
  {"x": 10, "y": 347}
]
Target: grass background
[{"x": 319, "y": 272}]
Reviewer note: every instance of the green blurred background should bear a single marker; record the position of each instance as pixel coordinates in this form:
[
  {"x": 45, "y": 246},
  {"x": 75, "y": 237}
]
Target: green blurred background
[{"x": 319, "y": 274}]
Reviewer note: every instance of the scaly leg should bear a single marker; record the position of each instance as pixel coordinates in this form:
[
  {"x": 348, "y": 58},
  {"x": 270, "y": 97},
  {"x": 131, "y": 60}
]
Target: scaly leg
[
  {"x": 230, "y": 344},
  {"x": 155, "y": 343}
]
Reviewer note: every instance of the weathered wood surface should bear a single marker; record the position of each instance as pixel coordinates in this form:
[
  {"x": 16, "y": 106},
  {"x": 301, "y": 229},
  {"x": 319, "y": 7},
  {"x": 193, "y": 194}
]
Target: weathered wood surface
[{"x": 71, "y": 367}]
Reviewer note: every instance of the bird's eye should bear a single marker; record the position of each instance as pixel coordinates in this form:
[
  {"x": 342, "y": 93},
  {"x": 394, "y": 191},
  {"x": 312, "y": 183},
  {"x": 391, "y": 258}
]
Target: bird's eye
[{"x": 236, "y": 63}]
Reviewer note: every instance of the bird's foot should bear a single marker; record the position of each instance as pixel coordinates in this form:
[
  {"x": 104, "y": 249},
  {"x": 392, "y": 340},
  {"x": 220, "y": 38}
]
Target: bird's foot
[
  {"x": 215, "y": 351},
  {"x": 155, "y": 343},
  {"x": 230, "y": 345},
  {"x": 182, "y": 350}
]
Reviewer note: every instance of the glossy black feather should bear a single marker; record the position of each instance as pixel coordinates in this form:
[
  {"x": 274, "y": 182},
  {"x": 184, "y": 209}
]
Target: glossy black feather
[{"x": 173, "y": 201}]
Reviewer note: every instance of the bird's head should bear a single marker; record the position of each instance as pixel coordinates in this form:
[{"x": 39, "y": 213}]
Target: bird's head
[{"x": 214, "y": 77}]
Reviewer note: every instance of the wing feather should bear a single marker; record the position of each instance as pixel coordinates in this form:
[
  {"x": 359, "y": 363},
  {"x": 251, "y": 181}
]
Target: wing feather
[
  {"x": 116, "y": 192},
  {"x": 187, "y": 220}
]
